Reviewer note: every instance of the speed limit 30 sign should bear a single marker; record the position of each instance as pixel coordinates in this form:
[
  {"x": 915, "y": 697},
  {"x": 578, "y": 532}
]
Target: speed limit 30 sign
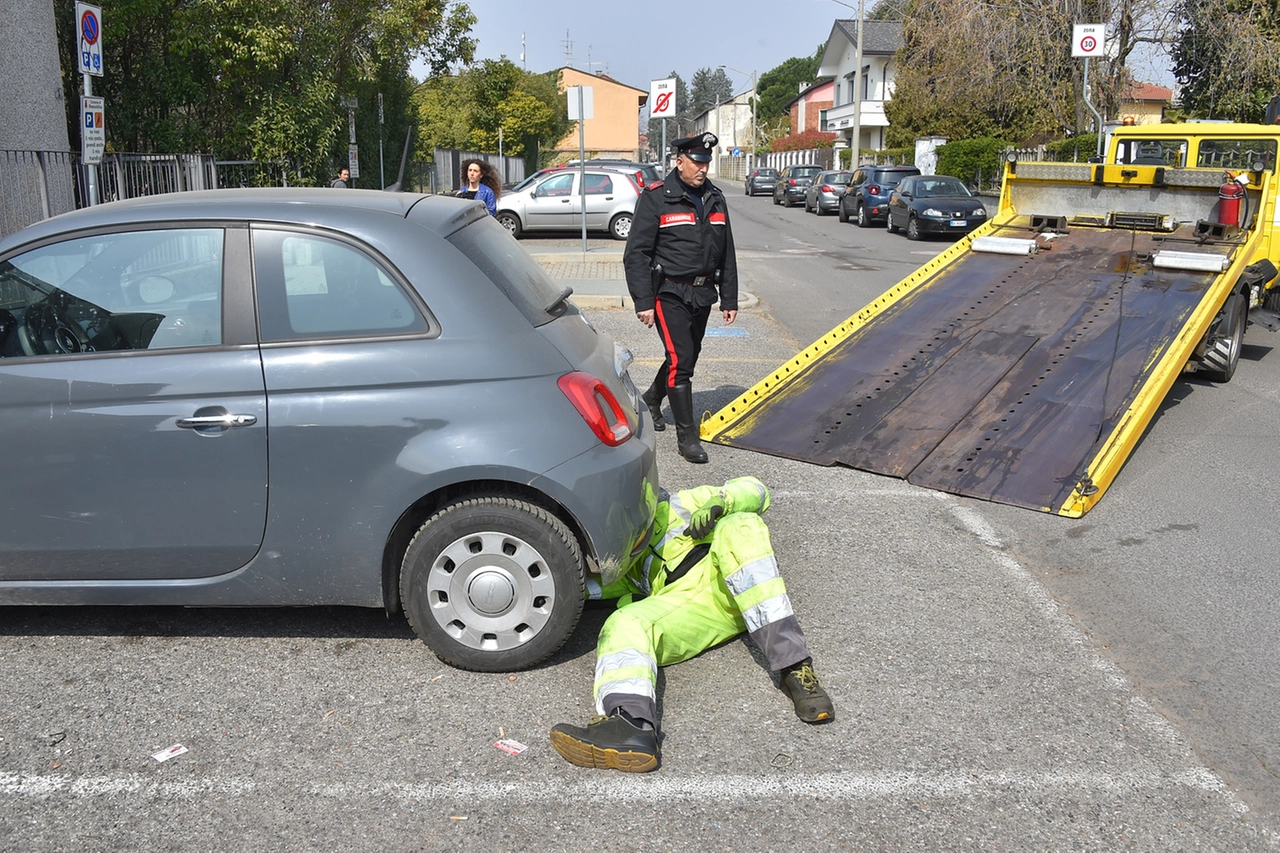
[{"x": 1088, "y": 40}]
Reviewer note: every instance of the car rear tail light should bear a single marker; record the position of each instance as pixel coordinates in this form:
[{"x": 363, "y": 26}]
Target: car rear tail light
[
  {"x": 873, "y": 189},
  {"x": 826, "y": 188},
  {"x": 598, "y": 407},
  {"x": 792, "y": 181},
  {"x": 640, "y": 179}
]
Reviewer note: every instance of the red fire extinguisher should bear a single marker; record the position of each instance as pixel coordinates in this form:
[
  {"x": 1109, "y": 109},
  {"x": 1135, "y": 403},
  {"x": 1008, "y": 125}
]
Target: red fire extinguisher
[{"x": 1230, "y": 194}]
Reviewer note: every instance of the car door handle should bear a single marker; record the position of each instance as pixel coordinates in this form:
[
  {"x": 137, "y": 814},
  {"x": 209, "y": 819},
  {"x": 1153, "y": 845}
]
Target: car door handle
[
  {"x": 565, "y": 200},
  {"x": 225, "y": 421}
]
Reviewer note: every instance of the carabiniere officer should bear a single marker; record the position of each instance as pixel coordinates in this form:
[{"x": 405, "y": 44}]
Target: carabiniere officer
[{"x": 680, "y": 261}]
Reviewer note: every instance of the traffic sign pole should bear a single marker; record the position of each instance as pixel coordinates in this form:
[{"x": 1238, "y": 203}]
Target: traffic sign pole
[{"x": 89, "y": 59}]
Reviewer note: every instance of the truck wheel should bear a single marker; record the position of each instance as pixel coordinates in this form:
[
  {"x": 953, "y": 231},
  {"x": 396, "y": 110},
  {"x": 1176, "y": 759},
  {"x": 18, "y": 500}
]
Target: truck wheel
[
  {"x": 1225, "y": 339},
  {"x": 913, "y": 228},
  {"x": 493, "y": 583}
]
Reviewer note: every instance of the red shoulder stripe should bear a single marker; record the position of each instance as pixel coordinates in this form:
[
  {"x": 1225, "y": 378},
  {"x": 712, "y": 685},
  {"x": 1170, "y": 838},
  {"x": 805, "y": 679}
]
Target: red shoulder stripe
[{"x": 717, "y": 218}]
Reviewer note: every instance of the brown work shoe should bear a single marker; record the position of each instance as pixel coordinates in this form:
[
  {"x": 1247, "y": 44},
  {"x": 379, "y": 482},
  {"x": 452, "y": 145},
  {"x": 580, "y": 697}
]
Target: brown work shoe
[
  {"x": 607, "y": 743},
  {"x": 813, "y": 705}
]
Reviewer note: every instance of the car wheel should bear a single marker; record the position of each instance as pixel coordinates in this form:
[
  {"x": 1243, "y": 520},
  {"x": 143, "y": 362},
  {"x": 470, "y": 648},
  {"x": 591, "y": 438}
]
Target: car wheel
[
  {"x": 913, "y": 228},
  {"x": 844, "y": 214},
  {"x": 511, "y": 222},
  {"x": 748, "y": 189},
  {"x": 493, "y": 584},
  {"x": 775, "y": 199},
  {"x": 863, "y": 219},
  {"x": 888, "y": 221},
  {"x": 620, "y": 226},
  {"x": 1226, "y": 337}
]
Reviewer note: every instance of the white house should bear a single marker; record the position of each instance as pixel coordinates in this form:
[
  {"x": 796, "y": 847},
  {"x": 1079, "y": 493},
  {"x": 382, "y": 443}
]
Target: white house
[
  {"x": 732, "y": 123},
  {"x": 873, "y": 82}
]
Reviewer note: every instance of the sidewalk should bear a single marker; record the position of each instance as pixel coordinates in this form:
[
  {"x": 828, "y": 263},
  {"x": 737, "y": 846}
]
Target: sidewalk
[{"x": 597, "y": 277}]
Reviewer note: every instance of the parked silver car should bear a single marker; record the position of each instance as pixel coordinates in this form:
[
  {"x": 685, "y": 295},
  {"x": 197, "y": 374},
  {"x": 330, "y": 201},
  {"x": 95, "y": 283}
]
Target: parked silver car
[
  {"x": 313, "y": 397},
  {"x": 554, "y": 203},
  {"x": 824, "y": 194}
]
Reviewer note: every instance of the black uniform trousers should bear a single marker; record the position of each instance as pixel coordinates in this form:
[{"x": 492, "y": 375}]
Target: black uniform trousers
[{"x": 681, "y": 327}]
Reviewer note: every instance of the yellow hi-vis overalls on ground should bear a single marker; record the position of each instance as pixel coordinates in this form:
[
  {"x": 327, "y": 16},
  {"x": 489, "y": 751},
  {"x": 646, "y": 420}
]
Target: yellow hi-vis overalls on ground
[{"x": 700, "y": 592}]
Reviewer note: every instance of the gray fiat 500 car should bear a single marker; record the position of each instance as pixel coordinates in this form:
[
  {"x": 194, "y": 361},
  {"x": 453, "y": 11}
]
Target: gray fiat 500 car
[{"x": 313, "y": 397}]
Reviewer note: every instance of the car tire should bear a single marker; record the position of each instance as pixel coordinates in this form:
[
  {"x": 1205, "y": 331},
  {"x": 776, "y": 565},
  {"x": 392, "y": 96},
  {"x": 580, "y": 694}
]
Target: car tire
[
  {"x": 888, "y": 222},
  {"x": 775, "y": 199},
  {"x": 493, "y": 583},
  {"x": 620, "y": 226},
  {"x": 863, "y": 220},
  {"x": 511, "y": 222},
  {"x": 913, "y": 228},
  {"x": 844, "y": 214}
]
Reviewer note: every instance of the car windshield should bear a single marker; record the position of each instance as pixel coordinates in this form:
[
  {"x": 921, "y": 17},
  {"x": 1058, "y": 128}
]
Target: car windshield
[
  {"x": 835, "y": 178},
  {"x": 767, "y": 173},
  {"x": 941, "y": 188},
  {"x": 805, "y": 171}
]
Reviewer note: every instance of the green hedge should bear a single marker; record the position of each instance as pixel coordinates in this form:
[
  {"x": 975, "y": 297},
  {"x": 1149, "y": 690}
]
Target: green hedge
[{"x": 971, "y": 160}]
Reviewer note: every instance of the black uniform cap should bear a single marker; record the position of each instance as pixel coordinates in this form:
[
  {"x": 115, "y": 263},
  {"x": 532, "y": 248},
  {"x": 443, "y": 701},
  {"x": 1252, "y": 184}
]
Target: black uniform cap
[{"x": 697, "y": 148}]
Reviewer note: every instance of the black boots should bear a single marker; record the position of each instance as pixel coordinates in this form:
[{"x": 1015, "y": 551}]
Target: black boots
[
  {"x": 800, "y": 682},
  {"x": 653, "y": 399},
  {"x": 608, "y": 743},
  {"x": 681, "y": 397}
]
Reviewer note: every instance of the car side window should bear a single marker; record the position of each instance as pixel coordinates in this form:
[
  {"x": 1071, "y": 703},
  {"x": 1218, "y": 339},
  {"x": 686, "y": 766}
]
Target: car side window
[
  {"x": 134, "y": 290},
  {"x": 311, "y": 286},
  {"x": 599, "y": 185},
  {"x": 560, "y": 185}
]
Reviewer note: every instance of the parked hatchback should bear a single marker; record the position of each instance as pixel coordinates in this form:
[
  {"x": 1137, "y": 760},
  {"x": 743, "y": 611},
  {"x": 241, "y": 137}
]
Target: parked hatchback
[
  {"x": 866, "y": 197},
  {"x": 761, "y": 181},
  {"x": 824, "y": 192},
  {"x": 294, "y": 397},
  {"x": 554, "y": 203},
  {"x": 934, "y": 204},
  {"x": 792, "y": 182}
]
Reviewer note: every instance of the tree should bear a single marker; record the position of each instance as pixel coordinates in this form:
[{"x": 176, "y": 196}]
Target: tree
[
  {"x": 779, "y": 86},
  {"x": 971, "y": 68},
  {"x": 708, "y": 88},
  {"x": 467, "y": 110},
  {"x": 261, "y": 79},
  {"x": 1227, "y": 58}
]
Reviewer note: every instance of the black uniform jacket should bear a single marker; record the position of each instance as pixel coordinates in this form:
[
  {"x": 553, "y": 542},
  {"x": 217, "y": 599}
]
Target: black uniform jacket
[{"x": 666, "y": 230}]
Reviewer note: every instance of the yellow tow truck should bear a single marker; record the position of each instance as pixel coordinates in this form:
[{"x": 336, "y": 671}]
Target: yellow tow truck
[{"x": 1023, "y": 364}]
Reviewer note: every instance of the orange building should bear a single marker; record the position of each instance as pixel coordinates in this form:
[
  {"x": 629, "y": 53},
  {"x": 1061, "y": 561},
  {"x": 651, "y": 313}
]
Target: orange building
[{"x": 614, "y": 129}]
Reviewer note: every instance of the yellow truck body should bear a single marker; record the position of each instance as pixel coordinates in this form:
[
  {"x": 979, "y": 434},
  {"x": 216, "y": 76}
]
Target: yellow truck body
[{"x": 1023, "y": 364}]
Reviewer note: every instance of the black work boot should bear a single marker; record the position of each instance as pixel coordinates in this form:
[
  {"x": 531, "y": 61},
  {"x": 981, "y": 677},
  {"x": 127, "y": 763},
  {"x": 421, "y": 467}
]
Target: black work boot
[
  {"x": 653, "y": 399},
  {"x": 681, "y": 397},
  {"x": 800, "y": 682},
  {"x": 607, "y": 743}
]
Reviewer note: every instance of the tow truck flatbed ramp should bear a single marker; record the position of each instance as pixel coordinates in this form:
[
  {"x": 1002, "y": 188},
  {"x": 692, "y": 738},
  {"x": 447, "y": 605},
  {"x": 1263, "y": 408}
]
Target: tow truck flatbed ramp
[{"x": 1020, "y": 379}]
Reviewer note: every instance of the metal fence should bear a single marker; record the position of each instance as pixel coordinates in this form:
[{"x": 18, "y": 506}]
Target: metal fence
[
  {"x": 446, "y": 168},
  {"x": 34, "y": 185}
]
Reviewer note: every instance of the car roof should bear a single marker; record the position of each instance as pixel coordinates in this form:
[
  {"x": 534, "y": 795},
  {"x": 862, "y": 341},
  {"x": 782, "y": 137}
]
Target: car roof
[
  {"x": 912, "y": 169},
  {"x": 442, "y": 214}
]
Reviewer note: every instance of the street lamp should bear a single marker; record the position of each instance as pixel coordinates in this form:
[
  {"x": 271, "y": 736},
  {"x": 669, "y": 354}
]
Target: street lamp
[
  {"x": 754, "y": 96},
  {"x": 857, "y": 81}
]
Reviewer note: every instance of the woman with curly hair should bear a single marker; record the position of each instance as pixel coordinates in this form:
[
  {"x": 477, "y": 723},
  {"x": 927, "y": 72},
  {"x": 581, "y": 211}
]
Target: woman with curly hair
[{"x": 482, "y": 184}]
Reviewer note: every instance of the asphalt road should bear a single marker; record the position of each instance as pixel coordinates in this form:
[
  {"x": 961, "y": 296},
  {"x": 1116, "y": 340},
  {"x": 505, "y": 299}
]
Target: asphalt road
[{"x": 1004, "y": 680}]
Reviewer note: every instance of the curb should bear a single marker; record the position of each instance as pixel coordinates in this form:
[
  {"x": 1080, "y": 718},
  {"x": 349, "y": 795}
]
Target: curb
[{"x": 599, "y": 300}]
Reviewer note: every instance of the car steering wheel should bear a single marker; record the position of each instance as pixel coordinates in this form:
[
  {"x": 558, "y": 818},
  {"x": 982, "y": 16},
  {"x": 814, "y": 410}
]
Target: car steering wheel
[{"x": 44, "y": 331}]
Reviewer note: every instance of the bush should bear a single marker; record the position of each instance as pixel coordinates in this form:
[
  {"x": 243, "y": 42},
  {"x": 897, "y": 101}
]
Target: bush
[
  {"x": 971, "y": 160},
  {"x": 803, "y": 141},
  {"x": 1077, "y": 149}
]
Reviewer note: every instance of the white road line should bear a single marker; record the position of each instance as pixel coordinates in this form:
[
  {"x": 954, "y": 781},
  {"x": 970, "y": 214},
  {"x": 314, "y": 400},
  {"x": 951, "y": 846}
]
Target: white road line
[{"x": 847, "y": 786}]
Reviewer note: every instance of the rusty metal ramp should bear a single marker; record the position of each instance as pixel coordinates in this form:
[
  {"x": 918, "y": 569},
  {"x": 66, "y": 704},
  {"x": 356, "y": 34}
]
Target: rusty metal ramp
[{"x": 1021, "y": 379}]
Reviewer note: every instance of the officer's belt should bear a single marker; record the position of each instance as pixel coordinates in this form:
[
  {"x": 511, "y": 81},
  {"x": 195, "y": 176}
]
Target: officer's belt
[{"x": 692, "y": 280}]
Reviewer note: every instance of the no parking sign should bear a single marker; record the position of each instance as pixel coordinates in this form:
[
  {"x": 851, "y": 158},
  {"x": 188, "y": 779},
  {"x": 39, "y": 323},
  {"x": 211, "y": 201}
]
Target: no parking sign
[{"x": 89, "y": 38}]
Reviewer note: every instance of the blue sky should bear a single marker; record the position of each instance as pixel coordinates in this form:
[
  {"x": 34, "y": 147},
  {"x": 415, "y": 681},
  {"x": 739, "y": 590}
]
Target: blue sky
[{"x": 645, "y": 41}]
